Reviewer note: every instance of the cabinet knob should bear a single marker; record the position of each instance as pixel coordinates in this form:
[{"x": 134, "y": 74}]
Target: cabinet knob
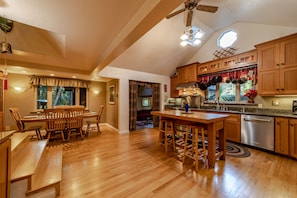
[
  {"x": 291, "y": 125},
  {"x": 282, "y": 63},
  {"x": 277, "y": 89},
  {"x": 282, "y": 89},
  {"x": 277, "y": 64}
]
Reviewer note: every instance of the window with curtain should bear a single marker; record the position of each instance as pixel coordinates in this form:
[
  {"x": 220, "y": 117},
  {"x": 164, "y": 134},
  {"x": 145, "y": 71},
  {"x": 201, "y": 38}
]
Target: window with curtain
[
  {"x": 61, "y": 91},
  {"x": 60, "y": 96}
]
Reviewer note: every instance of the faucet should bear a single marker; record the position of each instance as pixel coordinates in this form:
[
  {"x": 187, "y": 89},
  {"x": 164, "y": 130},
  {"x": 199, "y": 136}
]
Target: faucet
[
  {"x": 218, "y": 104},
  {"x": 243, "y": 109}
]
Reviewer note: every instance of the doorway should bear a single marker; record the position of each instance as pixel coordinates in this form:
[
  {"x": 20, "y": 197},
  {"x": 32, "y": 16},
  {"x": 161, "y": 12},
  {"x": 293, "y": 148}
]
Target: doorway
[{"x": 144, "y": 97}]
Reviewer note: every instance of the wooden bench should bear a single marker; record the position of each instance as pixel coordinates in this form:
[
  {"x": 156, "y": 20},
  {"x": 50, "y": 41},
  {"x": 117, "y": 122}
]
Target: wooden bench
[
  {"x": 34, "y": 167},
  {"x": 49, "y": 172},
  {"x": 26, "y": 160},
  {"x": 17, "y": 140}
]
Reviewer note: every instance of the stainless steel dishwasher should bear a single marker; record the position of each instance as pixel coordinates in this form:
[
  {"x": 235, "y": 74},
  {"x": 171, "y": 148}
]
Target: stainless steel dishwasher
[{"x": 258, "y": 131}]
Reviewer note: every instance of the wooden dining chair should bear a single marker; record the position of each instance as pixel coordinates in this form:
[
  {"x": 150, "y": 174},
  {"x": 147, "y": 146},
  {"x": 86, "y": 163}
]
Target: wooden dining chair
[
  {"x": 95, "y": 122},
  {"x": 16, "y": 116},
  {"x": 55, "y": 122},
  {"x": 74, "y": 121}
]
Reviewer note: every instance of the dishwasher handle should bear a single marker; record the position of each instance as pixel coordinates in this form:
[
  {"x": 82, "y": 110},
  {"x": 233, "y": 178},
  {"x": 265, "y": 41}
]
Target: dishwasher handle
[{"x": 256, "y": 120}]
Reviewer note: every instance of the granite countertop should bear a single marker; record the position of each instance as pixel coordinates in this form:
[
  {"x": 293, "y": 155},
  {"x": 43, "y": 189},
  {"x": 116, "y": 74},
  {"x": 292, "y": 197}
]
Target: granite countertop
[{"x": 242, "y": 110}]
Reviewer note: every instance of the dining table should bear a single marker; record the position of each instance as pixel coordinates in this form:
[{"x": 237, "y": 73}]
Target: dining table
[
  {"x": 213, "y": 123},
  {"x": 40, "y": 117}
]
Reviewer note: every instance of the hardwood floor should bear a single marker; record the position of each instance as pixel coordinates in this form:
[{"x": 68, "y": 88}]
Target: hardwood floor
[{"x": 135, "y": 165}]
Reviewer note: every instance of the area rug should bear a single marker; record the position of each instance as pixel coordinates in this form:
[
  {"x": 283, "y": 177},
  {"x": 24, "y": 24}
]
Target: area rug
[{"x": 235, "y": 150}]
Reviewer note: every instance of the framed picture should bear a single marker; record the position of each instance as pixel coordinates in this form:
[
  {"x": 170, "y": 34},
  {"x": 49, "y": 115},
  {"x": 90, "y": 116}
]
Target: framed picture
[{"x": 112, "y": 94}]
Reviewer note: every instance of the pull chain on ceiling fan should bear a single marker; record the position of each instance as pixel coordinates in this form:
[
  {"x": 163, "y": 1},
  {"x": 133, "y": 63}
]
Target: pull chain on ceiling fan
[{"x": 190, "y": 5}]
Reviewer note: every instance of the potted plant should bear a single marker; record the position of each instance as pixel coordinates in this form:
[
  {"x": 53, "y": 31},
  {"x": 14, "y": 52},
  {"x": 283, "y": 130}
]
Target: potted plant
[{"x": 251, "y": 94}]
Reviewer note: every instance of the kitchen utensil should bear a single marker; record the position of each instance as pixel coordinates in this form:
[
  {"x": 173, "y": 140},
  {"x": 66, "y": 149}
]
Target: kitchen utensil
[
  {"x": 219, "y": 79},
  {"x": 244, "y": 77},
  {"x": 202, "y": 84},
  {"x": 228, "y": 78},
  {"x": 213, "y": 80},
  {"x": 234, "y": 79},
  {"x": 208, "y": 84}
]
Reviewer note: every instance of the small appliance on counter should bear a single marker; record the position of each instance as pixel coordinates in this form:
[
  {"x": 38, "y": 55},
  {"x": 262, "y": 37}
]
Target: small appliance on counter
[
  {"x": 294, "y": 106},
  {"x": 171, "y": 101}
]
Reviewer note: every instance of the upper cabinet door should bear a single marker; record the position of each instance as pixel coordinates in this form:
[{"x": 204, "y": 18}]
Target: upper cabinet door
[
  {"x": 187, "y": 73},
  {"x": 288, "y": 53},
  {"x": 277, "y": 65},
  {"x": 173, "y": 84},
  {"x": 268, "y": 57}
]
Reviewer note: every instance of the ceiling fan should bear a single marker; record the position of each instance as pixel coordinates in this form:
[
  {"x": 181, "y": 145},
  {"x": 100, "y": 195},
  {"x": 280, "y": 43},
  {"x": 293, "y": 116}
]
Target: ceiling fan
[{"x": 190, "y": 5}]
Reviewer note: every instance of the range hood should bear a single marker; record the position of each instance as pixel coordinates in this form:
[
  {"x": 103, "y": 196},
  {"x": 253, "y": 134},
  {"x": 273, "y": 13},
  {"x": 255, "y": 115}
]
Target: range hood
[{"x": 186, "y": 85}]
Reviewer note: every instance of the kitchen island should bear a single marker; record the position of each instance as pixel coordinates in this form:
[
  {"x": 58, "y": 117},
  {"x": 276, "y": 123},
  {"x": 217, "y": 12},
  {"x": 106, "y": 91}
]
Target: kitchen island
[{"x": 213, "y": 122}]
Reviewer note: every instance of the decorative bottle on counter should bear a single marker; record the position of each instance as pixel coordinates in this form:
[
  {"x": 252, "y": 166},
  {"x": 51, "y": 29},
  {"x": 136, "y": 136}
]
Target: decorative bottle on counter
[{"x": 186, "y": 107}]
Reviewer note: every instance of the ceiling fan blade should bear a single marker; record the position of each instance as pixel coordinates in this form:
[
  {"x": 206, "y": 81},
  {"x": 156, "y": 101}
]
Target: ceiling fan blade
[
  {"x": 189, "y": 18},
  {"x": 207, "y": 8},
  {"x": 175, "y": 13}
]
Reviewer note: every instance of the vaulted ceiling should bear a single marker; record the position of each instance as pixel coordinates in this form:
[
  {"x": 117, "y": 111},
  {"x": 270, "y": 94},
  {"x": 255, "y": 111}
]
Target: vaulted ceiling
[{"x": 79, "y": 38}]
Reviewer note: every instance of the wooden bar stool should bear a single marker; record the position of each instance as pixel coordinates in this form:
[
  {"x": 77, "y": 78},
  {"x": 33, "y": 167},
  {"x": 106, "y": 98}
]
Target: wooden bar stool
[
  {"x": 166, "y": 133},
  {"x": 197, "y": 150}
]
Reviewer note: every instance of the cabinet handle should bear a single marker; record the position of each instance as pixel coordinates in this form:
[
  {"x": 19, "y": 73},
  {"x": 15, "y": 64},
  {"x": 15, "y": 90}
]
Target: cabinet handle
[
  {"x": 277, "y": 64},
  {"x": 282, "y": 63},
  {"x": 291, "y": 125},
  {"x": 277, "y": 89},
  {"x": 278, "y": 123},
  {"x": 282, "y": 89}
]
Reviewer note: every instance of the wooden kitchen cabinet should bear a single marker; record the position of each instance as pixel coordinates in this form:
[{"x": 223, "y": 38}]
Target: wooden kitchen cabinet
[
  {"x": 1, "y": 106},
  {"x": 277, "y": 66},
  {"x": 278, "y": 82},
  {"x": 233, "y": 62},
  {"x": 232, "y": 128},
  {"x": 5, "y": 158},
  {"x": 173, "y": 84},
  {"x": 187, "y": 73},
  {"x": 293, "y": 137},
  {"x": 240, "y": 60},
  {"x": 281, "y": 135},
  {"x": 286, "y": 136}
]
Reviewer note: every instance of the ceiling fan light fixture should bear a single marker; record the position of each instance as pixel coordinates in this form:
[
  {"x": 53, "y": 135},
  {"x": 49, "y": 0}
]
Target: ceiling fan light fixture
[
  {"x": 197, "y": 42},
  {"x": 192, "y": 36},
  {"x": 199, "y": 34},
  {"x": 183, "y": 43},
  {"x": 184, "y": 36}
]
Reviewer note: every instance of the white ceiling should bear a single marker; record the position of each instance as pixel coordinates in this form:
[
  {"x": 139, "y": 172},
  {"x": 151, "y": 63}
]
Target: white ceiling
[{"x": 82, "y": 37}]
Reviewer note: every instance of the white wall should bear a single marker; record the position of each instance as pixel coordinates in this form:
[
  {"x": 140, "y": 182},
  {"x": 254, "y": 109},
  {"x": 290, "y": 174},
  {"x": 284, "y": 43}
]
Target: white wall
[
  {"x": 124, "y": 76},
  {"x": 249, "y": 34}
]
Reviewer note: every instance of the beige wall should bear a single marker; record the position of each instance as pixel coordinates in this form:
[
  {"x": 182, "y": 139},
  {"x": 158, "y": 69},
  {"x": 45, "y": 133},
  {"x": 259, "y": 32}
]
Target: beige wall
[
  {"x": 285, "y": 102},
  {"x": 25, "y": 99},
  {"x": 112, "y": 117}
]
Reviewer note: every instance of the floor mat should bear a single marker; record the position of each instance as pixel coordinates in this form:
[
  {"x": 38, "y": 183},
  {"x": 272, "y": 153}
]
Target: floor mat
[{"x": 235, "y": 150}]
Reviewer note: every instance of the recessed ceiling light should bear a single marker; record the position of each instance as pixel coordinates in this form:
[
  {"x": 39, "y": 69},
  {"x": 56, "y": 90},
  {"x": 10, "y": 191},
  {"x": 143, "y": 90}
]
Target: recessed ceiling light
[
  {"x": 52, "y": 74},
  {"x": 73, "y": 76}
]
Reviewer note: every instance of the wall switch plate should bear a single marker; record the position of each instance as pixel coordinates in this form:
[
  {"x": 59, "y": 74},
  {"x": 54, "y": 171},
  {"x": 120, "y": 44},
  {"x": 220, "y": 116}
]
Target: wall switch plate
[
  {"x": 260, "y": 105},
  {"x": 275, "y": 102}
]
